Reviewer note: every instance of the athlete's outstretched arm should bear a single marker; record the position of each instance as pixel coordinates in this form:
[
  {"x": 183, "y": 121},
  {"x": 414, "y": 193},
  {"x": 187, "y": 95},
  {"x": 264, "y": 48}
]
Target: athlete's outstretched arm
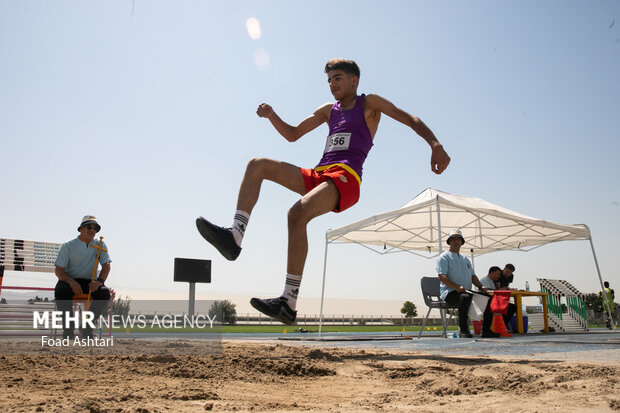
[
  {"x": 439, "y": 157},
  {"x": 292, "y": 133}
]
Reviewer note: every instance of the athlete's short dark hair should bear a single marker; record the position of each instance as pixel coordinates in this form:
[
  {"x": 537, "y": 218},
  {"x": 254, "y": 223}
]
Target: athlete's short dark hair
[
  {"x": 510, "y": 267},
  {"x": 346, "y": 65}
]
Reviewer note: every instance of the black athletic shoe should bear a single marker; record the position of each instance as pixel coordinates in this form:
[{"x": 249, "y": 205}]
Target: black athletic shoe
[
  {"x": 220, "y": 238},
  {"x": 465, "y": 334},
  {"x": 490, "y": 334},
  {"x": 276, "y": 308}
]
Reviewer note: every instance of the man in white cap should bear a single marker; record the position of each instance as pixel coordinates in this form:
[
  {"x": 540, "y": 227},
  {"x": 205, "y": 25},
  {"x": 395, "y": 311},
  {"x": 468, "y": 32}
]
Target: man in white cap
[
  {"x": 74, "y": 269},
  {"x": 457, "y": 276}
]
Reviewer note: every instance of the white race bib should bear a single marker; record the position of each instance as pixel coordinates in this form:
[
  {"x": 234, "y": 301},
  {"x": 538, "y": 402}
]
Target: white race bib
[{"x": 337, "y": 142}]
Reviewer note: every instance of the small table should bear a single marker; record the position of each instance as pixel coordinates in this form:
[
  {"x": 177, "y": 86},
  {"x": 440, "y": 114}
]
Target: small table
[{"x": 518, "y": 294}]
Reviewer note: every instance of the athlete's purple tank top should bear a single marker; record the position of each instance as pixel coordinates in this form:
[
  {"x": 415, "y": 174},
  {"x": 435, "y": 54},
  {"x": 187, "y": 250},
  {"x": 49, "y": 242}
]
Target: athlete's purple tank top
[{"x": 349, "y": 139}]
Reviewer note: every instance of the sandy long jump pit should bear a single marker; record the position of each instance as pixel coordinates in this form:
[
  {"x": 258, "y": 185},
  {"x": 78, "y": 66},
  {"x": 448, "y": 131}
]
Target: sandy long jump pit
[{"x": 185, "y": 376}]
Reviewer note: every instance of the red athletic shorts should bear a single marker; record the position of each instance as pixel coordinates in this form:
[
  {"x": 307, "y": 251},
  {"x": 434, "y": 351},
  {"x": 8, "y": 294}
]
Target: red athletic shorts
[{"x": 347, "y": 184}]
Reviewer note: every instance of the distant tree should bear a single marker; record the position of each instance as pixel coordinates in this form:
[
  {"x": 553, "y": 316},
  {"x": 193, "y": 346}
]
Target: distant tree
[
  {"x": 3, "y": 301},
  {"x": 454, "y": 312},
  {"x": 409, "y": 309},
  {"x": 121, "y": 306},
  {"x": 224, "y": 309},
  {"x": 594, "y": 303},
  {"x": 36, "y": 299}
]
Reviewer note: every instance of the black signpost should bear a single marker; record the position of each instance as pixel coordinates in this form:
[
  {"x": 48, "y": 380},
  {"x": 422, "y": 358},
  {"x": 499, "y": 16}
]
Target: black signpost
[{"x": 192, "y": 271}]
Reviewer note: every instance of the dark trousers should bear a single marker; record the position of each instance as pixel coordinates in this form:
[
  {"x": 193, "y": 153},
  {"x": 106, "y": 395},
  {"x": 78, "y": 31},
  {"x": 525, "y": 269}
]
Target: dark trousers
[
  {"x": 462, "y": 302},
  {"x": 512, "y": 310},
  {"x": 64, "y": 296}
]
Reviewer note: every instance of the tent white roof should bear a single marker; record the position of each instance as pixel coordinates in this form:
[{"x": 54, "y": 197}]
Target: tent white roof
[{"x": 425, "y": 222}]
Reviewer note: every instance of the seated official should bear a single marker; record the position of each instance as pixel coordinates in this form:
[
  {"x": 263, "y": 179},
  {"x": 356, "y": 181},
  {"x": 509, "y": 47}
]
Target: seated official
[
  {"x": 506, "y": 276},
  {"x": 492, "y": 282},
  {"x": 457, "y": 276},
  {"x": 74, "y": 268}
]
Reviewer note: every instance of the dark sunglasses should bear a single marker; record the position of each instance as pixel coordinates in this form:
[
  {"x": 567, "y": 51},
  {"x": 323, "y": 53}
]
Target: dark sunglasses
[{"x": 93, "y": 226}]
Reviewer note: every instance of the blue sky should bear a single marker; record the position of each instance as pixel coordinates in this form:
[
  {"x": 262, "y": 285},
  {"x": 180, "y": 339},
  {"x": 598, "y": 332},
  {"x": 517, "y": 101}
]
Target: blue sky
[{"x": 143, "y": 113}]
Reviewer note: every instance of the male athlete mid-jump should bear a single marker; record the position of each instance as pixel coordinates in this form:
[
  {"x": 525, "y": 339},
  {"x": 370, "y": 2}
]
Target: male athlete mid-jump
[{"x": 333, "y": 185}]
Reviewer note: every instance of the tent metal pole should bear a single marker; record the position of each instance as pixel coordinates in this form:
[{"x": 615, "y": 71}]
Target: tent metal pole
[
  {"x": 323, "y": 287},
  {"x": 480, "y": 231},
  {"x": 598, "y": 270},
  {"x": 439, "y": 226},
  {"x": 472, "y": 259}
]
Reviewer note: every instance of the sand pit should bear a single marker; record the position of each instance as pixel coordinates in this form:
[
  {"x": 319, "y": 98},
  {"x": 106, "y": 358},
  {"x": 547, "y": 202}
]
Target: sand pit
[{"x": 286, "y": 377}]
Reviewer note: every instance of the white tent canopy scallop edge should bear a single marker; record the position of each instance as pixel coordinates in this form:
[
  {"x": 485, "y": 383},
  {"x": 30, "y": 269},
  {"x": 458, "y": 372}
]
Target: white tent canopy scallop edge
[{"x": 422, "y": 223}]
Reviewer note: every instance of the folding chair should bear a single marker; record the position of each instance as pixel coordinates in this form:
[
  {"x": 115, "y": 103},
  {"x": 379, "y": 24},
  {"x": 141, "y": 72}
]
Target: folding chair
[
  {"x": 81, "y": 303},
  {"x": 81, "y": 299},
  {"x": 430, "y": 292}
]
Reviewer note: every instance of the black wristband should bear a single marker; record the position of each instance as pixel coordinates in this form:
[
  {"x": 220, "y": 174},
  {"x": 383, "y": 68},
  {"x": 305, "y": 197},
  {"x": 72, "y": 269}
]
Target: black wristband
[{"x": 101, "y": 281}]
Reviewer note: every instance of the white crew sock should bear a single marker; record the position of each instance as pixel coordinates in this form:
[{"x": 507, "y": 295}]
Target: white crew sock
[
  {"x": 291, "y": 289},
  {"x": 240, "y": 223}
]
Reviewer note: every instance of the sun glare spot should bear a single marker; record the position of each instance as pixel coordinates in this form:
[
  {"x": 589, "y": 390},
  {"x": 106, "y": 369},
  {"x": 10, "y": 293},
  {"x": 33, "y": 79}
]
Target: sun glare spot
[
  {"x": 253, "y": 27},
  {"x": 262, "y": 59}
]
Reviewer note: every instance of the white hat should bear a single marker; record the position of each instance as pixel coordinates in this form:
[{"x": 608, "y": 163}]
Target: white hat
[
  {"x": 455, "y": 233},
  {"x": 89, "y": 219}
]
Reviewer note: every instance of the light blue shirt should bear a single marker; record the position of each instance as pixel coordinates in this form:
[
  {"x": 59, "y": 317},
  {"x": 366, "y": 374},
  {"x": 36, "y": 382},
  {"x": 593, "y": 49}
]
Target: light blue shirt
[
  {"x": 458, "y": 269},
  {"x": 487, "y": 282},
  {"x": 78, "y": 259}
]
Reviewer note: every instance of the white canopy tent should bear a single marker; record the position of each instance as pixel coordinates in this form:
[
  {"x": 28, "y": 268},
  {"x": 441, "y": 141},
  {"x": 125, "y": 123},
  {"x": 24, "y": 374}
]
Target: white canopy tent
[{"x": 420, "y": 227}]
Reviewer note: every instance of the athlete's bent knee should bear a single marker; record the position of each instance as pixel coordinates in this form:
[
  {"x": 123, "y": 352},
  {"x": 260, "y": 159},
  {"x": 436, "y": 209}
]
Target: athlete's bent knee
[
  {"x": 257, "y": 167},
  {"x": 255, "y": 164},
  {"x": 296, "y": 216}
]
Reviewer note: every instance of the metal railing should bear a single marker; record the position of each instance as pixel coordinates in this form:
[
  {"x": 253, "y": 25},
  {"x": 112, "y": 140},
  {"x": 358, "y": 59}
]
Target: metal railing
[{"x": 575, "y": 304}]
